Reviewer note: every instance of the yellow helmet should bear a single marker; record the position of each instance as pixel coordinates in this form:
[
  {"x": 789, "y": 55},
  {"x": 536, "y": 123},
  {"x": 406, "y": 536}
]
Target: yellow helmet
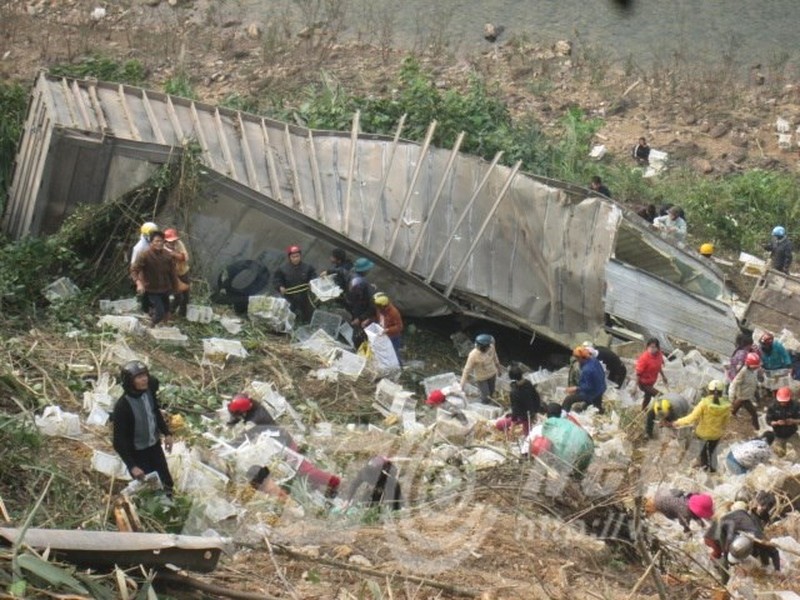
[
  {"x": 661, "y": 408},
  {"x": 716, "y": 386},
  {"x": 707, "y": 249},
  {"x": 148, "y": 228},
  {"x": 381, "y": 300}
]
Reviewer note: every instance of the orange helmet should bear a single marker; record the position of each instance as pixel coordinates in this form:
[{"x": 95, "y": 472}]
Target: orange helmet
[
  {"x": 784, "y": 394},
  {"x": 752, "y": 360},
  {"x": 171, "y": 235},
  {"x": 293, "y": 250},
  {"x": 582, "y": 352},
  {"x": 540, "y": 445},
  {"x": 435, "y": 397}
]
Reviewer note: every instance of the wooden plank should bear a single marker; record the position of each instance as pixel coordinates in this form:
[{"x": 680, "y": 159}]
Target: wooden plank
[
  {"x": 223, "y": 142},
  {"x": 462, "y": 216},
  {"x": 297, "y": 194},
  {"x": 201, "y": 136},
  {"x": 393, "y": 150},
  {"x": 435, "y": 202},
  {"x": 350, "y": 170},
  {"x": 423, "y": 155},
  {"x": 176, "y": 123},
  {"x": 252, "y": 176},
  {"x": 98, "y": 108},
  {"x": 482, "y": 229},
  {"x": 316, "y": 179},
  {"x": 134, "y": 130},
  {"x": 273, "y": 171},
  {"x": 78, "y": 97},
  {"x": 151, "y": 117}
]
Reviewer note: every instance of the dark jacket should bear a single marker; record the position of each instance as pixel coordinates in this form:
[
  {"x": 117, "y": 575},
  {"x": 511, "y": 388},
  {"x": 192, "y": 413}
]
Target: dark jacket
[
  {"x": 780, "y": 254},
  {"x": 592, "y": 383},
  {"x": 525, "y": 401},
  {"x": 616, "y": 370},
  {"x": 157, "y": 270},
  {"x": 778, "y": 412},
  {"x": 294, "y": 278},
  {"x": 124, "y": 423},
  {"x": 724, "y": 531},
  {"x": 359, "y": 298},
  {"x": 341, "y": 274}
]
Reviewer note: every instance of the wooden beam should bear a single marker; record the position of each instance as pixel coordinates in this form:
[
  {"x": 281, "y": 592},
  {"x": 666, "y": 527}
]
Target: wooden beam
[
  {"x": 350, "y": 171},
  {"x": 379, "y": 199}
]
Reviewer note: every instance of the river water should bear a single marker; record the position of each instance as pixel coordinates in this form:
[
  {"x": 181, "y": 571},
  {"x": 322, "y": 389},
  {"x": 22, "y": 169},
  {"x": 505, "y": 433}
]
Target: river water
[{"x": 745, "y": 32}]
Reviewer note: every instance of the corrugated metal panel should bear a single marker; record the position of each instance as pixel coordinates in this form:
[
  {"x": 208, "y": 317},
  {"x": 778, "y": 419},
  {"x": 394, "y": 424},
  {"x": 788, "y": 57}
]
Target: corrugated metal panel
[
  {"x": 775, "y": 303},
  {"x": 533, "y": 248},
  {"x": 666, "y": 309}
]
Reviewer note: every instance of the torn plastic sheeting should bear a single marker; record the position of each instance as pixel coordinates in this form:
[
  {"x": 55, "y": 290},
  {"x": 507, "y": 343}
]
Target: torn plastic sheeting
[
  {"x": 275, "y": 311},
  {"x": 232, "y": 325},
  {"x": 168, "y": 335},
  {"x": 217, "y": 509},
  {"x": 485, "y": 411},
  {"x": 192, "y": 475},
  {"x": 347, "y": 363},
  {"x": 101, "y": 395},
  {"x": 120, "y": 307},
  {"x": 439, "y": 381},
  {"x": 61, "y": 289},
  {"x": 217, "y": 351},
  {"x": 97, "y": 416},
  {"x": 537, "y": 377},
  {"x": 122, "y": 324},
  {"x": 109, "y": 464},
  {"x": 319, "y": 344},
  {"x": 324, "y": 288},
  {"x": 383, "y": 358},
  {"x": 56, "y": 422},
  {"x": 327, "y": 321},
  {"x": 119, "y": 352},
  {"x": 266, "y": 393}
]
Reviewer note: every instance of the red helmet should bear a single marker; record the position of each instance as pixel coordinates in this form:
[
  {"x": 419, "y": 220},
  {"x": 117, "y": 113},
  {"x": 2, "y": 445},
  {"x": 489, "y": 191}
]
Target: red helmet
[
  {"x": 240, "y": 404},
  {"x": 784, "y": 394},
  {"x": 767, "y": 338},
  {"x": 435, "y": 397},
  {"x": 171, "y": 235},
  {"x": 293, "y": 250},
  {"x": 540, "y": 445},
  {"x": 752, "y": 360}
]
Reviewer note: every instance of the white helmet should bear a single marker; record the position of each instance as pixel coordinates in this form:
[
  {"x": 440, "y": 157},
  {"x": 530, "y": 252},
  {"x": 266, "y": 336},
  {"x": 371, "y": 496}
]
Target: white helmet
[{"x": 741, "y": 547}]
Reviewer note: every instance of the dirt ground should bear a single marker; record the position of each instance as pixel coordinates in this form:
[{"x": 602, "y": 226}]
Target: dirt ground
[{"x": 701, "y": 117}]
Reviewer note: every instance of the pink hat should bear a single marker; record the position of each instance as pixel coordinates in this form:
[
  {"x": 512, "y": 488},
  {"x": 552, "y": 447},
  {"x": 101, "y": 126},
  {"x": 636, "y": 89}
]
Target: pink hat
[
  {"x": 701, "y": 505},
  {"x": 435, "y": 397}
]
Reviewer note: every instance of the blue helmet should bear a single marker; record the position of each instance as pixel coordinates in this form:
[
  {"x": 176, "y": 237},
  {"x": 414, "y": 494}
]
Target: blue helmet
[
  {"x": 779, "y": 231},
  {"x": 484, "y": 339}
]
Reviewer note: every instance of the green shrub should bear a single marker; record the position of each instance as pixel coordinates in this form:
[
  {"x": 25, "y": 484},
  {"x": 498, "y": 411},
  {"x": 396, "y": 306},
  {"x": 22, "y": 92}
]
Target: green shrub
[
  {"x": 180, "y": 85},
  {"x": 97, "y": 66},
  {"x": 13, "y": 105}
]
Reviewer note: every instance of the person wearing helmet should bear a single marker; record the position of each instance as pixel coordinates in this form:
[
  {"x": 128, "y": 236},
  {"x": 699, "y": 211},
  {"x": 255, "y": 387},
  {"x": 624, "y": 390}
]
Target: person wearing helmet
[
  {"x": 711, "y": 416},
  {"x": 525, "y": 403},
  {"x": 484, "y": 366},
  {"x": 292, "y": 282},
  {"x": 783, "y": 415},
  {"x": 707, "y": 250},
  {"x": 243, "y": 408},
  {"x": 592, "y": 383},
  {"x": 780, "y": 250},
  {"x": 743, "y": 523},
  {"x": 139, "y": 425},
  {"x": 390, "y": 320},
  {"x": 174, "y": 245},
  {"x": 666, "y": 409},
  {"x": 774, "y": 355},
  {"x": 673, "y": 224},
  {"x": 359, "y": 296},
  {"x": 383, "y": 484},
  {"x": 156, "y": 276},
  {"x": 747, "y": 454},
  {"x": 743, "y": 390},
  {"x": 143, "y": 242},
  {"x": 677, "y": 505},
  {"x": 649, "y": 366}
]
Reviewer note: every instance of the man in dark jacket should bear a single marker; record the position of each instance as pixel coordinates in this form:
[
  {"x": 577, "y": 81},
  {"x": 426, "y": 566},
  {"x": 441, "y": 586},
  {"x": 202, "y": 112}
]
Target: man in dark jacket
[
  {"x": 783, "y": 416},
  {"x": 156, "y": 275},
  {"x": 138, "y": 423},
  {"x": 780, "y": 250},
  {"x": 340, "y": 268},
  {"x": 292, "y": 280},
  {"x": 592, "y": 383}
]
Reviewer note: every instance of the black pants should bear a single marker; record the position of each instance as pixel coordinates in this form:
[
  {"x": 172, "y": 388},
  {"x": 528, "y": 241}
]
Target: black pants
[
  {"x": 707, "y": 455},
  {"x": 649, "y": 392},
  {"x": 153, "y": 459},
  {"x": 301, "y": 306},
  {"x": 580, "y": 397},
  {"x": 159, "y": 307},
  {"x": 749, "y": 407},
  {"x": 180, "y": 300}
]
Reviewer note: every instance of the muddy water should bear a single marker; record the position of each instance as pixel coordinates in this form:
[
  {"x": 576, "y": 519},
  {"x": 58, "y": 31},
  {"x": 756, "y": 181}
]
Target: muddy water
[{"x": 746, "y": 31}]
